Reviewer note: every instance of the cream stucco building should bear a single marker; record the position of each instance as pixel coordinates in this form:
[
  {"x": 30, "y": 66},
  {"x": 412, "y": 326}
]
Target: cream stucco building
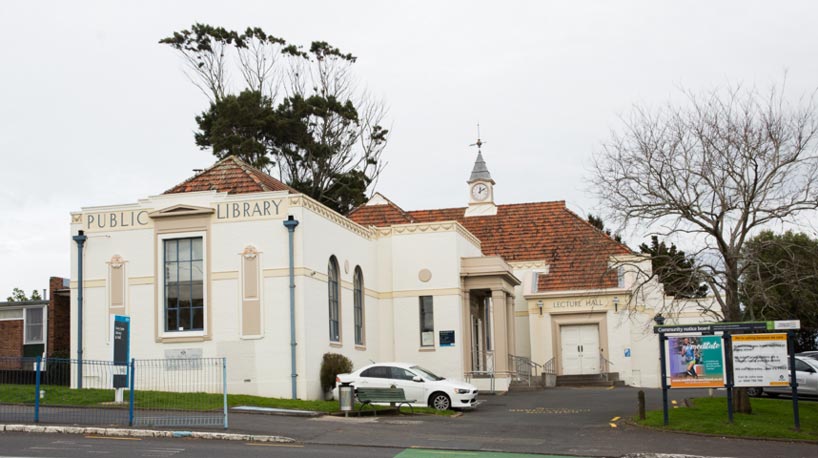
[{"x": 467, "y": 292}]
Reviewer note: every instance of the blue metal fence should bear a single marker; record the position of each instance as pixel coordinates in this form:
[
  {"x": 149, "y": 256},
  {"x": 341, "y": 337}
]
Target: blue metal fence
[{"x": 167, "y": 392}]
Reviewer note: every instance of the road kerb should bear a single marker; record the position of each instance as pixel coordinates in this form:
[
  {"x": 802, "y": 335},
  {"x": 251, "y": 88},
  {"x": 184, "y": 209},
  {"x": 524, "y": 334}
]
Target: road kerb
[{"x": 126, "y": 432}]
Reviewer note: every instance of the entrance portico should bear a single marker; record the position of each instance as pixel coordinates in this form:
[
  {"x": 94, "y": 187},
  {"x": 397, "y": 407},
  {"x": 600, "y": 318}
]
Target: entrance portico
[{"x": 488, "y": 311}]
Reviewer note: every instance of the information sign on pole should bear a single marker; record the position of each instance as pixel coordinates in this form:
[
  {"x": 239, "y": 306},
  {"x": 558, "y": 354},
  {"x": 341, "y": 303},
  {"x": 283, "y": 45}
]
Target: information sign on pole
[
  {"x": 122, "y": 350},
  {"x": 760, "y": 360},
  {"x": 695, "y": 361}
]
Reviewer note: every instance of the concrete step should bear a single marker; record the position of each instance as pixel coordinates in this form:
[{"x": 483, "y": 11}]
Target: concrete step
[
  {"x": 523, "y": 386},
  {"x": 590, "y": 380},
  {"x": 611, "y": 376}
]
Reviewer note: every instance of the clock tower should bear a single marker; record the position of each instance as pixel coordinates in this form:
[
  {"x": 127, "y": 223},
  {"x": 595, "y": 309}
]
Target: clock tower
[{"x": 481, "y": 188}]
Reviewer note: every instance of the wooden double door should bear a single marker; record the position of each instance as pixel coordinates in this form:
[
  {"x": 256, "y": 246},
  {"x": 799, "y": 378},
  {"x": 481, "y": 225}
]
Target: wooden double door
[{"x": 579, "y": 349}]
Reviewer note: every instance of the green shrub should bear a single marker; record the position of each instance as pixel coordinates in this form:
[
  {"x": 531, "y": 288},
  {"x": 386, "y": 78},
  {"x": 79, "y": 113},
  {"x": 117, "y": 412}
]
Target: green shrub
[{"x": 332, "y": 365}]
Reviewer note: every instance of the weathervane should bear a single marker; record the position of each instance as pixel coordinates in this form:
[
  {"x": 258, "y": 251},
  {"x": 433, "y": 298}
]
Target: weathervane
[{"x": 479, "y": 142}]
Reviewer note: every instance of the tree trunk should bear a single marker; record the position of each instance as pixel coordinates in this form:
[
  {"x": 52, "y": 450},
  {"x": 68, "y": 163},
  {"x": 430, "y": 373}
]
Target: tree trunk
[
  {"x": 731, "y": 297},
  {"x": 741, "y": 401}
]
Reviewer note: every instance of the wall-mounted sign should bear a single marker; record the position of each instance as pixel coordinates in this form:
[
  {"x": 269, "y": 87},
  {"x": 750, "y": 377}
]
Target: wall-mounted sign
[
  {"x": 695, "y": 361},
  {"x": 760, "y": 360},
  {"x": 250, "y": 209},
  {"x": 427, "y": 339},
  {"x": 447, "y": 338},
  {"x": 114, "y": 220},
  {"x": 594, "y": 302}
]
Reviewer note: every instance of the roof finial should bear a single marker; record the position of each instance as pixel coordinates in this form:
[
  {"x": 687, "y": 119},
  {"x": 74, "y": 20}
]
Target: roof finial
[
  {"x": 479, "y": 142},
  {"x": 480, "y": 171}
]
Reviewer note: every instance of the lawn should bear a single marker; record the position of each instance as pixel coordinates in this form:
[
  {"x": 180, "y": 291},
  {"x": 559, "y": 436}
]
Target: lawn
[
  {"x": 63, "y": 396},
  {"x": 771, "y": 418}
]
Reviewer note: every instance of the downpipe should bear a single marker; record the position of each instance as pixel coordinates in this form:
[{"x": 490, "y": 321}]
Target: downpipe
[{"x": 290, "y": 223}]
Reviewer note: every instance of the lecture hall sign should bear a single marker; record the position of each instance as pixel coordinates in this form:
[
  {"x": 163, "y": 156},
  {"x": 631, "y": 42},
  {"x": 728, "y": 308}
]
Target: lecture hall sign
[{"x": 223, "y": 212}]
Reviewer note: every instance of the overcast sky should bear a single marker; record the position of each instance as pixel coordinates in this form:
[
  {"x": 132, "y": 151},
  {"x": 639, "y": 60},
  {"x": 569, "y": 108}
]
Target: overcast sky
[{"x": 93, "y": 111}]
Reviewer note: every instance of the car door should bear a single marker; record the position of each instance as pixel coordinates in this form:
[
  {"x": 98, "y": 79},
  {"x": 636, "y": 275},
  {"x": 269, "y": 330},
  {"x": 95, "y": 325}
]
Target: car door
[{"x": 404, "y": 378}]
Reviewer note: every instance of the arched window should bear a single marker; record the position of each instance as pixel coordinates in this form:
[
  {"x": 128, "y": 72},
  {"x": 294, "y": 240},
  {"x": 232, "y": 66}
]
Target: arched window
[
  {"x": 334, "y": 312},
  {"x": 358, "y": 296}
]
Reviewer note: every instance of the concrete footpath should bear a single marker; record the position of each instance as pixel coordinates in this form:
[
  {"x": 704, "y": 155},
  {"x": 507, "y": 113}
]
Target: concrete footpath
[{"x": 577, "y": 422}]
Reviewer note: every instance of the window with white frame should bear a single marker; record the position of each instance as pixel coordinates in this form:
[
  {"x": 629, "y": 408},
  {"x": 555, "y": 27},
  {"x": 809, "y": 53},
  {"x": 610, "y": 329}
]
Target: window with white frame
[
  {"x": 333, "y": 297},
  {"x": 620, "y": 276},
  {"x": 184, "y": 284},
  {"x": 358, "y": 298},
  {"x": 34, "y": 329},
  {"x": 427, "y": 322}
]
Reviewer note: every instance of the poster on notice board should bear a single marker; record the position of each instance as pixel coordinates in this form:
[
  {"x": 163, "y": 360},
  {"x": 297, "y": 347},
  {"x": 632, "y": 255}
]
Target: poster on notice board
[{"x": 695, "y": 361}]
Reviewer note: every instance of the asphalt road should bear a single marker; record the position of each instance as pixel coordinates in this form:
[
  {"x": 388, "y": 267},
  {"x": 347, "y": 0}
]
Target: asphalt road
[{"x": 69, "y": 446}]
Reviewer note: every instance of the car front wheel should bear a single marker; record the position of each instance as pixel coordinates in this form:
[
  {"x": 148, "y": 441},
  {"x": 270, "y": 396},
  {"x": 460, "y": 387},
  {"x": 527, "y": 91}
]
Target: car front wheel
[
  {"x": 754, "y": 392},
  {"x": 440, "y": 401}
]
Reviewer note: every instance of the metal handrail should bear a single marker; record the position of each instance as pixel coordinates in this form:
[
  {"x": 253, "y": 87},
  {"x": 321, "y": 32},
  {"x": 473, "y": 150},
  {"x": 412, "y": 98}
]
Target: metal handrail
[
  {"x": 604, "y": 366},
  {"x": 489, "y": 374},
  {"x": 483, "y": 369},
  {"x": 549, "y": 367},
  {"x": 523, "y": 368},
  {"x": 484, "y": 360}
]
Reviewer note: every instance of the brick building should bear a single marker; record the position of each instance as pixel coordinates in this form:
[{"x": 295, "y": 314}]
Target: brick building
[{"x": 36, "y": 328}]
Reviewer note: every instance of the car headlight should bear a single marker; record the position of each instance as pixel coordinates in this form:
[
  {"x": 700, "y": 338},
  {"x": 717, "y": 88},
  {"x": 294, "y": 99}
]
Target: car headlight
[{"x": 461, "y": 391}]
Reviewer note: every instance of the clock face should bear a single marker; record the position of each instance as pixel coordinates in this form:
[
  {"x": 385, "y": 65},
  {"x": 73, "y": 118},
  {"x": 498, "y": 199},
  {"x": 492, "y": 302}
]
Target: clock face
[{"x": 480, "y": 191}]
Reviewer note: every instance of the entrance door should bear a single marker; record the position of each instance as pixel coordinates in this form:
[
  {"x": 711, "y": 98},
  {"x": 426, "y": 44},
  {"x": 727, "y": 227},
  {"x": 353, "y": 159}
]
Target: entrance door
[{"x": 580, "y": 349}]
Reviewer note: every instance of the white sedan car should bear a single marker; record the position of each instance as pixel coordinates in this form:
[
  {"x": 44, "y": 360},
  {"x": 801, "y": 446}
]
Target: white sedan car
[{"x": 418, "y": 383}]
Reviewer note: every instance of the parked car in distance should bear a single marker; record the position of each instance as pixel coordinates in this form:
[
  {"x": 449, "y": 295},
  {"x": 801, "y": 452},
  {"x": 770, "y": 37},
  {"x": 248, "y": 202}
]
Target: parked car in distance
[
  {"x": 809, "y": 354},
  {"x": 426, "y": 388},
  {"x": 806, "y": 373}
]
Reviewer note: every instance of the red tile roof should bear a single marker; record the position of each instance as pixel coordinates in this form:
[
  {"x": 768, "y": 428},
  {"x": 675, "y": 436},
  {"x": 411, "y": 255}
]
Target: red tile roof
[
  {"x": 233, "y": 176},
  {"x": 577, "y": 253}
]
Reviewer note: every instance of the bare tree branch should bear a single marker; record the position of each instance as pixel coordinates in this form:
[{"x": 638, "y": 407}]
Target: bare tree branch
[{"x": 723, "y": 166}]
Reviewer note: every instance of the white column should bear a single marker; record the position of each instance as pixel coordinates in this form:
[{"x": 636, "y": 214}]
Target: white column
[{"x": 499, "y": 328}]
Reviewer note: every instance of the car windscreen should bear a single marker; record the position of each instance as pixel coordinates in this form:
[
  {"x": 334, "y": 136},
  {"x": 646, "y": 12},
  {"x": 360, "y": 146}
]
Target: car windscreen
[{"x": 425, "y": 373}]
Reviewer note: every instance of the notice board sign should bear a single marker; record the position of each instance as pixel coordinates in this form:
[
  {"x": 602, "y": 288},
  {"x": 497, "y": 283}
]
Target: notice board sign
[
  {"x": 760, "y": 360},
  {"x": 695, "y": 361},
  {"x": 447, "y": 338},
  {"x": 122, "y": 349}
]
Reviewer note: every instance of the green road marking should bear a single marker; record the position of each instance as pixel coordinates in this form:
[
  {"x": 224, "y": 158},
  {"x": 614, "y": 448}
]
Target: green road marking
[{"x": 424, "y": 453}]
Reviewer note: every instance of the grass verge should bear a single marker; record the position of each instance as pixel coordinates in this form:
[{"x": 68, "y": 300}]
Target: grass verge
[
  {"x": 63, "y": 396},
  {"x": 771, "y": 418}
]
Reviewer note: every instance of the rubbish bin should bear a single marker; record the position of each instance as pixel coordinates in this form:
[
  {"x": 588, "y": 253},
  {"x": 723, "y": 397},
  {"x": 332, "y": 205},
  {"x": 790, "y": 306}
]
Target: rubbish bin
[{"x": 346, "y": 397}]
